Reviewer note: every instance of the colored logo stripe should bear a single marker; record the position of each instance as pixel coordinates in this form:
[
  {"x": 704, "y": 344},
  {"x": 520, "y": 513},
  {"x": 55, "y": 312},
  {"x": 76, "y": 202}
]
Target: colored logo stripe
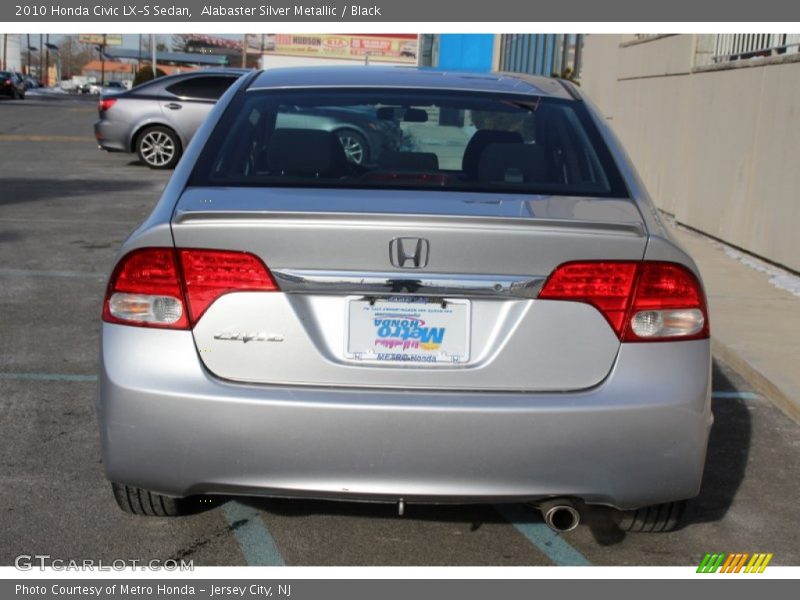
[
  {"x": 734, "y": 562},
  {"x": 758, "y": 563},
  {"x": 711, "y": 562}
]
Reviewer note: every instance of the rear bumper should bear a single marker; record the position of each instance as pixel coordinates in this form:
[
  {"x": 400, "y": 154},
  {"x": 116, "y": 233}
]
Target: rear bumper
[
  {"x": 111, "y": 135},
  {"x": 638, "y": 438}
]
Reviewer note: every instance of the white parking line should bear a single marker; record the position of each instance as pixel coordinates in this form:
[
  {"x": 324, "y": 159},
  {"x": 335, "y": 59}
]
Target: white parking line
[
  {"x": 29, "y": 273},
  {"x": 735, "y": 396},
  {"x": 46, "y": 377}
]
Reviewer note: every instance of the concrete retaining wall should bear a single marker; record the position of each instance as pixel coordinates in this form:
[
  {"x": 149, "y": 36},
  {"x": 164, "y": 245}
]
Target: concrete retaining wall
[{"x": 718, "y": 148}]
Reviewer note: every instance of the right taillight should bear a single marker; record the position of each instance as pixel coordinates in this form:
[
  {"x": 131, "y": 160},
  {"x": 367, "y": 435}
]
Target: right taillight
[
  {"x": 668, "y": 304},
  {"x": 169, "y": 289},
  {"x": 642, "y": 301},
  {"x": 105, "y": 103}
]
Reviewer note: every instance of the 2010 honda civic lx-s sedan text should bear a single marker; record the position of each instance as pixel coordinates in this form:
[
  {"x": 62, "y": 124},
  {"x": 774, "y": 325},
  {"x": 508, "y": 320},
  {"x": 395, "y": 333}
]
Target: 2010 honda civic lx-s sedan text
[{"x": 493, "y": 311}]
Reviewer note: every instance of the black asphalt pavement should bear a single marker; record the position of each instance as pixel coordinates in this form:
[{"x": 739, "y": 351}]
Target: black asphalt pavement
[{"x": 65, "y": 207}]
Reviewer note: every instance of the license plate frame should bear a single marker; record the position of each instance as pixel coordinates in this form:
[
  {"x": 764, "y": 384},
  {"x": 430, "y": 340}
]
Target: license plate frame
[{"x": 414, "y": 331}]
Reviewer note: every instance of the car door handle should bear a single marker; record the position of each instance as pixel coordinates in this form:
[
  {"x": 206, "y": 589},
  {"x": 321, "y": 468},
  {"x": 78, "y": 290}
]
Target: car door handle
[{"x": 174, "y": 106}]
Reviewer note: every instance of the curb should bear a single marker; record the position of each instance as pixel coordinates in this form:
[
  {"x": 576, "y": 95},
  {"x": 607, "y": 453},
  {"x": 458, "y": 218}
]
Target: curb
[{"x": 760, "y": 383}]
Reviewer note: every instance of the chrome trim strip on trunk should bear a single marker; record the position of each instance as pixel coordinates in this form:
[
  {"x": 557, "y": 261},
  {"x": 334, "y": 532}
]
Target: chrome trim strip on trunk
[{"x": 292, "y": 281}]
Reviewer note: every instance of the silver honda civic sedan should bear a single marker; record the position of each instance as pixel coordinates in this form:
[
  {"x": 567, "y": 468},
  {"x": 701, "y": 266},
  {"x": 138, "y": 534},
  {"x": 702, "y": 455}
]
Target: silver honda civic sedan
[{"x": 492, "y": 312}]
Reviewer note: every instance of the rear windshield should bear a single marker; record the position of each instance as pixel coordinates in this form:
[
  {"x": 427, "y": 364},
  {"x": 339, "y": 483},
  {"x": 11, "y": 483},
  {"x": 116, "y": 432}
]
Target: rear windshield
[{"x": 393, "y": 138}]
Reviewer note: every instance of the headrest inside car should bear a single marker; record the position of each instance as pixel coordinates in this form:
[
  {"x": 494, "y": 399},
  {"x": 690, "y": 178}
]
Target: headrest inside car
[
  {"x": 304, "y": 152},
  {"x": 478, "y": 143},
  {"x": 514, "y": 163}
]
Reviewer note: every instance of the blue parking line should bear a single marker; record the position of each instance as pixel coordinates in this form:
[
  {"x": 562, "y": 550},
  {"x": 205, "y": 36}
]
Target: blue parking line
[
  {"x": 540, "y": 535},
  {"x": 255, "y": 540},
  {"x": 46, "y": 377},
  {"x": 735, "y": 395}
]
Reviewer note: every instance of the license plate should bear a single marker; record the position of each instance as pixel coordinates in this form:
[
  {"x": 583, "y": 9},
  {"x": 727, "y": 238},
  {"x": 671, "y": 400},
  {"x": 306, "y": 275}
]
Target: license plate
[{"x": 408, "y": 330}]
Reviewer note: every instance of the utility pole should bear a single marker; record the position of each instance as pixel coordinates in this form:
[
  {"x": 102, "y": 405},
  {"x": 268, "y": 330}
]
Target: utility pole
[
  {"x": 47, "y": 61},
  {"x": 41, "y": 45},
  {"x": 103, "y": 62},
  {"x": 244, "y": 50},
  {"x": 69, "y": 58},
  {"x": 29, "y": 54},
  {"x": 578, "y": 55},
  {"x": 153, "y": 48},
  {"x": 139, "y": 59},
  {"x": 5, "y": 50}
]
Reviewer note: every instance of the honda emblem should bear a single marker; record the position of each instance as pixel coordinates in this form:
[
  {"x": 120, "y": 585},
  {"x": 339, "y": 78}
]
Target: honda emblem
[{"x": 409, "y": 253}]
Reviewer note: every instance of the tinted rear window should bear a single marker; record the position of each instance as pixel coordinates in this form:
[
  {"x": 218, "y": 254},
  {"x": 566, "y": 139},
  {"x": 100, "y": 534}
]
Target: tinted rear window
[
  {"x": 206, "y": 88},
  {"x": 409, "y": 139}
]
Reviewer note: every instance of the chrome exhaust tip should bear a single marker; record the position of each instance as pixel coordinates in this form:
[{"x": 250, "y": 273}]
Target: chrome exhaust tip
[{"x": 560, "y": 515}]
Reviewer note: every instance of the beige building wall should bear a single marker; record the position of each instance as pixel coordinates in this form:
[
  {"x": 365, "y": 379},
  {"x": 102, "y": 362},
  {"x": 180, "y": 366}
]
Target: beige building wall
[{"x": 717, "y": 147}]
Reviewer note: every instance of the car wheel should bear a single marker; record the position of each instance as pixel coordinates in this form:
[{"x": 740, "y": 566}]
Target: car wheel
[
  {"x": 654, "y": 519},
  {"x": 136, "y": 501},
  {"x": 158, "y": 147},
  {"x": 355, "y": 146}
]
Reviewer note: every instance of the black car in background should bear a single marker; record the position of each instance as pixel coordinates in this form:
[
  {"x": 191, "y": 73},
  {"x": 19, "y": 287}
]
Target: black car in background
[{"x": 12, "y": 85}]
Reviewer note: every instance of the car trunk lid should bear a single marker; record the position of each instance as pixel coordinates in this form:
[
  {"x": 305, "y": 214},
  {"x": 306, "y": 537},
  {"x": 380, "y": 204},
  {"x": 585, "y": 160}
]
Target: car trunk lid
[{"x": 334, "y": 254}]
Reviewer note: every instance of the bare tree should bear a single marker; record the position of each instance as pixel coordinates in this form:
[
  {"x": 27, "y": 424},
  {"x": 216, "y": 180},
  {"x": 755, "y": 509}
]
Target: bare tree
[
  {"x": 179, "y": 42},
  {"x": 74, "y": 55}
]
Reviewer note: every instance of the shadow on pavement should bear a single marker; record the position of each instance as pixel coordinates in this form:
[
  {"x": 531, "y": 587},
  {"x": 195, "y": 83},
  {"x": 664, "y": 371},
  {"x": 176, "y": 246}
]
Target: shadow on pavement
[
  {"x": 20, "y": 190},
  {"x": 728, "y": 451},
  {"x": 474, "y": 514}
]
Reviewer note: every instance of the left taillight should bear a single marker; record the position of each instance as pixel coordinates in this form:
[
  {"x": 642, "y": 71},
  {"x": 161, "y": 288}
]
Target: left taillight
[
  {"x": 209, "y": 274},
  {"x": 169, "y": 289},
  {"x": 105, "y": 103},
  {"x": 145, "y": 290}
]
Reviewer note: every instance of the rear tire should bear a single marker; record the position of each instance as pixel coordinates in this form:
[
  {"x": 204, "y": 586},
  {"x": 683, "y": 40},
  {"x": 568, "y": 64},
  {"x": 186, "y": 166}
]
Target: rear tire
[
  {"x": 136, "y": 501},
  {"x": 658, "y": 518},
  {"x": 355, "y": 146},
  {"x": 158, "y": 147}
]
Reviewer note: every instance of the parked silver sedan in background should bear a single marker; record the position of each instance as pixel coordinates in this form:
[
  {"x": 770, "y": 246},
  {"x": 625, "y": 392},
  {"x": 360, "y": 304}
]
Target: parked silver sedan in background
[
  {"x": 493, "y": 311},
  {"x": 158, "y": 118}
]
